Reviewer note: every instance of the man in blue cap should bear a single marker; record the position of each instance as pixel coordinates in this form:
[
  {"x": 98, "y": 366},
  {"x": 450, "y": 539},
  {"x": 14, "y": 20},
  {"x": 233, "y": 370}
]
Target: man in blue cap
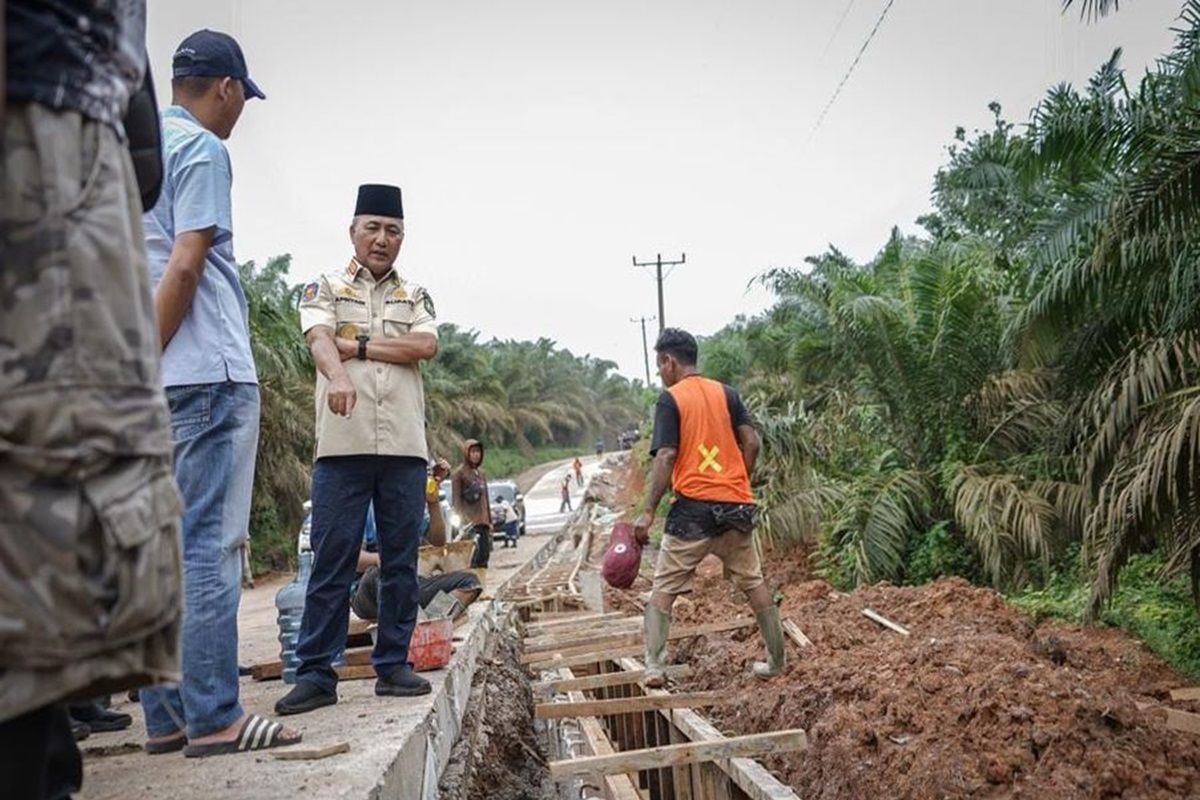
[{"x": 212, "y": 392}]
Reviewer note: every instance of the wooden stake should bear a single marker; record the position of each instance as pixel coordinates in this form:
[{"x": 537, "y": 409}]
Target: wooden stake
[
  {"x": 1188, "y": 693},
  {"x": 752, "y": 746},
  {"x": 1184, "y": 721},
  {"x": 796, "y": 635},
  {"x": 629, "y": 705},
  {"x": 606, "y": 679},
  {"x": 312, "y": 753},
  {"x": 884, "y": 621}
]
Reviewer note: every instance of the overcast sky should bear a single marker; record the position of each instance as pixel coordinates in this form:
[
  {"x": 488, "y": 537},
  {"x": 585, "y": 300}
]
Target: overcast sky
[{"x": 541, "y": 144}]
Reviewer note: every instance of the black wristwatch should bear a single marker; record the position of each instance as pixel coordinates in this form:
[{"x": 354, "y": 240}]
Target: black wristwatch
[{"x": 362, "y": 347}]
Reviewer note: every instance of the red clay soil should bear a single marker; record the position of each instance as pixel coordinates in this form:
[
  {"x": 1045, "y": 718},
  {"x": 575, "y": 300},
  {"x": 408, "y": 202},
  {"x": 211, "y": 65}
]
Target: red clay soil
[{"x": 978, "y": 702}]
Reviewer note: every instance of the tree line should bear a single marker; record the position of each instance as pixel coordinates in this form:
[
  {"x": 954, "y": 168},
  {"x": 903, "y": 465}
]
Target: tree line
[{"x": 1021, "y": 382}]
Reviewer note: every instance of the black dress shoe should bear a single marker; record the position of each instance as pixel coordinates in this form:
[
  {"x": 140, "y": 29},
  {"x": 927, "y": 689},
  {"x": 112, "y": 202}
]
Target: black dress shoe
[
  {"x": 80, "y": 730},
  {"x": 100, "y": 719},
  {"x": 304, "y": 697},
  {"x": 403, "y": 682}
]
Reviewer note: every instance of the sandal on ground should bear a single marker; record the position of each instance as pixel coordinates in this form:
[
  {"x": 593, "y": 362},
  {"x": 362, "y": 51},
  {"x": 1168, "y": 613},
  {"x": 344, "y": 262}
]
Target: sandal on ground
[
  {"x": 257, "y": 733},
  {"x": 172, "y": 745}
]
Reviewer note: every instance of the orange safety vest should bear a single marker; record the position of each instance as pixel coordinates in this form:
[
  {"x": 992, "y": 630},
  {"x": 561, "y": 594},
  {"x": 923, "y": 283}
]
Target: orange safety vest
[{"x": 709, "y": 464}]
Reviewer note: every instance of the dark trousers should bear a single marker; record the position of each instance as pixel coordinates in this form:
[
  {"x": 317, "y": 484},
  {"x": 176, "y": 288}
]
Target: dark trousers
[
  {"x": 483, "y": 546},
  {"x": 38, "y": 756},
  {"x": 342, "y": 488}
]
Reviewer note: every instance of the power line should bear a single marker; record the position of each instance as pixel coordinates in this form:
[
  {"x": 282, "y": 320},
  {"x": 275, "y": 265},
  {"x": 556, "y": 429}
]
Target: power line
[
  {"x": 645, "y": 346},
  {"x": 658, "y": 263},
  {"x": 849, "y": 72},
  {"x": 837, "y": 29}
]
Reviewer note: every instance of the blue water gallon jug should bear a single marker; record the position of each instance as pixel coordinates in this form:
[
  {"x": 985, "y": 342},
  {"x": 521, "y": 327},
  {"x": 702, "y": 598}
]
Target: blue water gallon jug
[{"x": 290, "y": 603}]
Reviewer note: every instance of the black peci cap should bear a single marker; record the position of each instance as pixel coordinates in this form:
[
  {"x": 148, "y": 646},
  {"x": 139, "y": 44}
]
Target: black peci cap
[{"x": 380, "y": 200}]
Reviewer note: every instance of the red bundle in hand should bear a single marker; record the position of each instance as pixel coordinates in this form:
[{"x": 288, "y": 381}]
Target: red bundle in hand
[{"x": 623, "y": 558}]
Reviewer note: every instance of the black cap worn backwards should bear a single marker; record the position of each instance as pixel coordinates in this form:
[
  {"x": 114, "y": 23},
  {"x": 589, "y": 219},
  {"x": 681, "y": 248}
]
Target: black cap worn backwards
[
  {"x": 379, "y": 200},
  {"x": 211, "y": 54}
]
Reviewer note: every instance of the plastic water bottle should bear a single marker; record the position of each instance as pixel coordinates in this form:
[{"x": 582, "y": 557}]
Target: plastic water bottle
[{"x": 290, "y": 602}]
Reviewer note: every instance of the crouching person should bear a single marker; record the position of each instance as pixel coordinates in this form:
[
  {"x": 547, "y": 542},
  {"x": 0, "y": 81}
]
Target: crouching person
[
  {"x": 462, "y": 585},
  {"x": 368, "y": 329}
]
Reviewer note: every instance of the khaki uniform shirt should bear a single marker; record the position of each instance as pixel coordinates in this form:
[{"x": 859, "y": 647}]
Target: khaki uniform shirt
[{"x": 389, "y": 414}]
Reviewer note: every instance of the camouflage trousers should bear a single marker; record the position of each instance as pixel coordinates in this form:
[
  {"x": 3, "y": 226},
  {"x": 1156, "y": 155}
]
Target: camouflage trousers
[{"x": 89, "y": 513}]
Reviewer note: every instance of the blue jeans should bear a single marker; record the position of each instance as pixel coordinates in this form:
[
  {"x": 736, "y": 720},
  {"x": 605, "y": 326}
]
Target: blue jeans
[
  {"x": 342, "y": 488},
  {"x": 215, "y": 431}
]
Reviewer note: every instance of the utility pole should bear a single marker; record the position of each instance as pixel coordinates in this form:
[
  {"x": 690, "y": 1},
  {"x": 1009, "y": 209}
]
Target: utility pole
[
  {"x": 658, "y": 264},
  {"x": 645, "y": 347}
]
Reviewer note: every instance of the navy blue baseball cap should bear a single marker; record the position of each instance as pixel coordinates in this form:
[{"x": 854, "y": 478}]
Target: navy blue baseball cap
[{"x": 212, "y": 54}]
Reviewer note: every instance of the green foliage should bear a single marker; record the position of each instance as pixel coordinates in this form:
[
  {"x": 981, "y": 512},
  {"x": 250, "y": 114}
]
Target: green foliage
[
  {"x": 938, "y": 552},
  {"x": 1024, "y": 379},
  {"x": 509, "y": 462}
]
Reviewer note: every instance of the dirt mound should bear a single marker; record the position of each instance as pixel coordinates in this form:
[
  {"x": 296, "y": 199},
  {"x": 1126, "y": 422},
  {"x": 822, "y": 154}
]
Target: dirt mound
[{"x": 978, "y": 702}]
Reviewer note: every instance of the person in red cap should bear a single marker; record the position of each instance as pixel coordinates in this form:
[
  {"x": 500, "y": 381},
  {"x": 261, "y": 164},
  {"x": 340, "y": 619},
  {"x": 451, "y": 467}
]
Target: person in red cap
[{"x": 704, "y": 447}]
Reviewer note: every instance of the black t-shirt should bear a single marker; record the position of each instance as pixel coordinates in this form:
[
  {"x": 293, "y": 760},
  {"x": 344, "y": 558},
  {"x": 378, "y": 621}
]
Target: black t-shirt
[{"x": 666, "y": 418}]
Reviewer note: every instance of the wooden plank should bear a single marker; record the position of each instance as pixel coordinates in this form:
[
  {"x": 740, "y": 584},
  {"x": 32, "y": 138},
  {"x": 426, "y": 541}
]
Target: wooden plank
[
  {"x": 590, "y": 658},
  {"x": 607, "y": 632},
  {"x": 606, "y": 679},
  {"x": 571, "y": 618},
  {"x": 754, "y": 745},
  {"x": 795, "y": 634},
  {"x": 884, "y": 621},
  {"x": 1184, "y": 721},
  {"x": 1187, "y": 693},
  {"x": 629, "y": 705},
  {"x": 312, "y": 753},
  {"x": 617, "y": 787},
  {"x": 749, "y": 775},
  {"x": 272, "y": 670},
  {"x": 636, "y": 639}
]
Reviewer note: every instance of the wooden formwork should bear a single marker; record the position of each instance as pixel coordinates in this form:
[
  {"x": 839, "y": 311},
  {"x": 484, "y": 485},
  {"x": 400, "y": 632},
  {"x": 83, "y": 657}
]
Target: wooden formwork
[{"x": 639, "y": 743}]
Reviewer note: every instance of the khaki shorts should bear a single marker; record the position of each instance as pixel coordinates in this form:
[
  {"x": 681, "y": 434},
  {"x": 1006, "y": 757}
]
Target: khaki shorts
[{"x": 675, "y": 571}]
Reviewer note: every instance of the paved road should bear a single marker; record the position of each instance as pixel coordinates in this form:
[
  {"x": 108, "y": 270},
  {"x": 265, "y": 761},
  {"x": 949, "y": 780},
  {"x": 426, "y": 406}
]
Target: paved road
[{"x": 543, "y": 501}]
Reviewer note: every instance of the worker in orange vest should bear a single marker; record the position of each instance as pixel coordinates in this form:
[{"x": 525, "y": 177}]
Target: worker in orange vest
[{"x": 704, "y": 447}]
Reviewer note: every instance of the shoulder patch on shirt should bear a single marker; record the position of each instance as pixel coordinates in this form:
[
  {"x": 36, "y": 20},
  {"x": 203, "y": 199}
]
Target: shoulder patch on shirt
[
  {"x": 310, "y": 291},
  {"x": 428, "y": 302}
]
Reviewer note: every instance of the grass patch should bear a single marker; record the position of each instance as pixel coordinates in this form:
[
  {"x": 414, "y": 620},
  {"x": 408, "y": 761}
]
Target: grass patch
[
  {"x": 1161, "y": 614},
  {"x": 506, "y": 463}
]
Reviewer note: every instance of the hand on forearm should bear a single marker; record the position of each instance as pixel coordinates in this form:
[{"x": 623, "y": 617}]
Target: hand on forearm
[
  {"x": 174, "y": 293},
  {"x": 340, "y": 394},
  {"x": 408, "y": 348}
]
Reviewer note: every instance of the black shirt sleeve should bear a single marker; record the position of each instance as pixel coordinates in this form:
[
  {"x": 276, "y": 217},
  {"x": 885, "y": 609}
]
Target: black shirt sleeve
[
  {"x": 666, "y": 423},
  {"x": 737, "y": 410}
]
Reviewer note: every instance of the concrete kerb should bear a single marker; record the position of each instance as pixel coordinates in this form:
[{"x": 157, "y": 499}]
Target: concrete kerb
[{"x": 426, "y": 750}]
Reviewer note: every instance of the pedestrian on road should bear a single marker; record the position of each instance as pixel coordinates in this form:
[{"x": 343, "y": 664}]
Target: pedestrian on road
[
  {"x": 212, "y": 391},
  {"x": 469, "y": 495},
  {"x": 90, "y": 586},
  {"x": 369, "y": 330},
  {"x": 704, "y": 447},
  {"x": 578, "y": 472},
  {"x": 509, "y": 519},
  {"x": 565, "y": 489}
]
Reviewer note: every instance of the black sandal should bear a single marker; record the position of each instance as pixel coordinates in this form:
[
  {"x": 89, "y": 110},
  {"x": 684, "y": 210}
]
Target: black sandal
[
  {"x": 173, "y": 745},
  {"x": 257, "y": 733}
]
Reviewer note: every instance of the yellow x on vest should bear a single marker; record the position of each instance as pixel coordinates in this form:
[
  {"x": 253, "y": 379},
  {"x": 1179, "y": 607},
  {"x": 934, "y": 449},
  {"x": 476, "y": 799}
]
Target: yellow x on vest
[{"x": 710, "y": 458}]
